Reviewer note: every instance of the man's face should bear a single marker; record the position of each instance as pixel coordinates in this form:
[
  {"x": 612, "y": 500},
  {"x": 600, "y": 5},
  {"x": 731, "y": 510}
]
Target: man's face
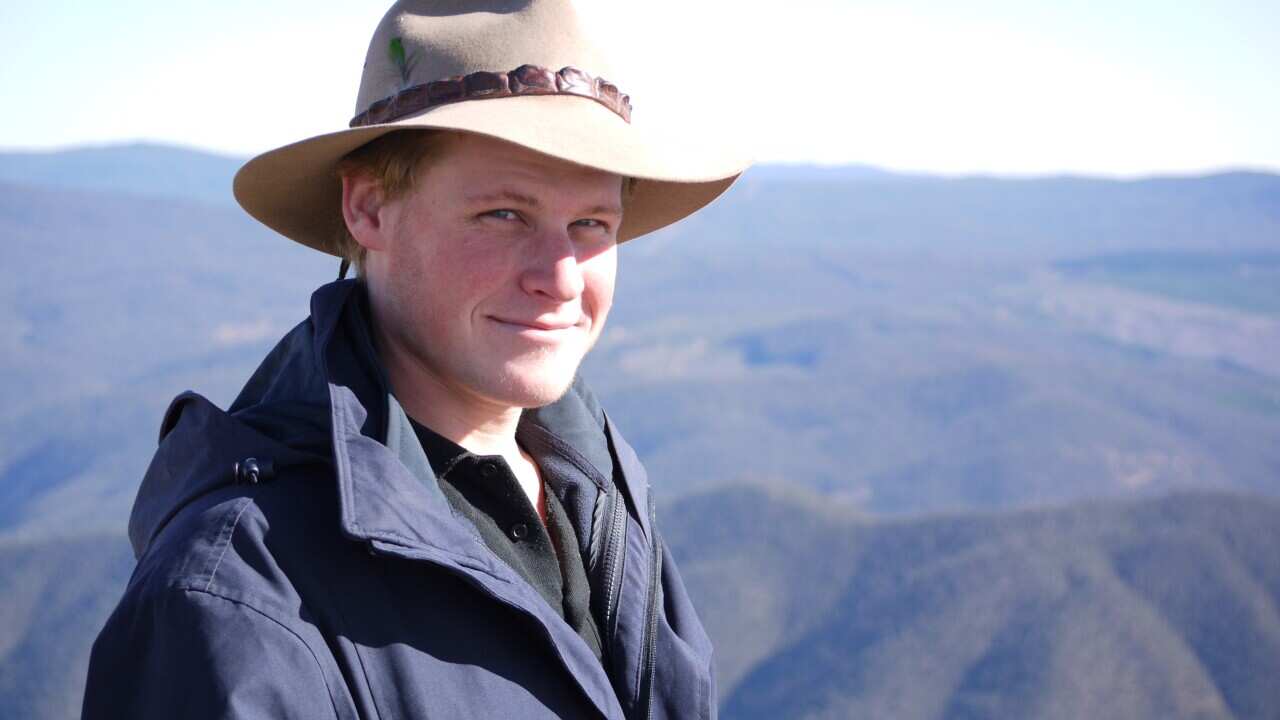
[{"x": 497, "y": 271}]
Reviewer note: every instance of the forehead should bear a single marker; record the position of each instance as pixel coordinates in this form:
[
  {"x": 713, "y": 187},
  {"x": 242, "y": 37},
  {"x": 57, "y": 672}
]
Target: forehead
[{"x": 478, "y": 160}]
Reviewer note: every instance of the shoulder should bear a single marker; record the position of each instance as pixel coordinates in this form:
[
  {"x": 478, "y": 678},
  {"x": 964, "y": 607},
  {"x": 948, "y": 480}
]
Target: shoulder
[
  {"x": 194, "y": 649},
  {"x": 200, "y": 522},
  {"x": 219, "y": 545},
  {"x": 211, "y": 618}
]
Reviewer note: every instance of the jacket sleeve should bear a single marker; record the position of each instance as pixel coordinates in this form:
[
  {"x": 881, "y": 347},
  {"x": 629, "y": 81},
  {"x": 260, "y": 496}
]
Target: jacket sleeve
[{"x": 185, "y": 653}]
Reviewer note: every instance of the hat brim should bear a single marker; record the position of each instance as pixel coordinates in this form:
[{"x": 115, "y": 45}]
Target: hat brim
[{"x": 294, "y": 190}]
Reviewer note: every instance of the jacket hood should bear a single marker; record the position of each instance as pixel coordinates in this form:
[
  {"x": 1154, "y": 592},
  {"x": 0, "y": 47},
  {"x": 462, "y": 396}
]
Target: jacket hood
[
  {"x": 322, "y": 382},
  {"x": 282, "y": 413}
]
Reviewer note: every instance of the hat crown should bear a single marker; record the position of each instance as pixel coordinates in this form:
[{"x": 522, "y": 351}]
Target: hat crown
[{"x": 421, "y": 41}]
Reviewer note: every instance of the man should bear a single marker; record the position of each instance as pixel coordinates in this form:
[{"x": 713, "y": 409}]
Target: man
[{"x": 414, "y": 508}]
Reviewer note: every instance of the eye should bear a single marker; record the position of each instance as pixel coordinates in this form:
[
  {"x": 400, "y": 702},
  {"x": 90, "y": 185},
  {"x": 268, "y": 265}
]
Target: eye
[
  {"x": 503, "y": 214},
  {"x": 591, "y": 223}
]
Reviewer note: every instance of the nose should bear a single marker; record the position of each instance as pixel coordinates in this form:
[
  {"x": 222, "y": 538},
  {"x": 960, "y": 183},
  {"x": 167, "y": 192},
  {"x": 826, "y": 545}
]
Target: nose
[{"x": 553, "y": 271}]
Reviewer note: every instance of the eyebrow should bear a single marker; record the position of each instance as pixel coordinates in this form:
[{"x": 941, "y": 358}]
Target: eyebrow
[
  {"x": 603, "y": 210},
  {"x": 507, "y": 195}
]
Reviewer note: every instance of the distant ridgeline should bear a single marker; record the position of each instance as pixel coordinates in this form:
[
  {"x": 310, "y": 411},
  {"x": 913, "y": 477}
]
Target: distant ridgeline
[{"x": 897, "y": 344}]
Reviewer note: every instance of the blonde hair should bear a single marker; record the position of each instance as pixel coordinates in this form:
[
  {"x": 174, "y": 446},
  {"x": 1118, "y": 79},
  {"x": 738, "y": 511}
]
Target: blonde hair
[{"x": 395, "y": 161}]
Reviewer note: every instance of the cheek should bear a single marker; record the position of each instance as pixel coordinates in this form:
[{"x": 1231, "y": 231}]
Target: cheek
[
  {"x": 599, "y": 274},
  {"x": 459, "y": 288}
]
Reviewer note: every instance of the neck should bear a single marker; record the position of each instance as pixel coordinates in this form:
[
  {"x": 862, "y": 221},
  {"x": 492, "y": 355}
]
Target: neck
[
  {"x": 477, "y": 424},
  {"x": 481, "y": 428}
]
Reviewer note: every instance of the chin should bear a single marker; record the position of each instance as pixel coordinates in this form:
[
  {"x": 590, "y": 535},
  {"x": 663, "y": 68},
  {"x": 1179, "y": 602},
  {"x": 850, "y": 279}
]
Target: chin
[{"x": 541, "y": 386}]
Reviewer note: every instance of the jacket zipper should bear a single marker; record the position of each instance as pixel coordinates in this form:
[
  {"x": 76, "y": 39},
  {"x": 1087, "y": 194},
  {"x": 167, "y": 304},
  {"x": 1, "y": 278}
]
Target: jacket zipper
[
  {"x": 615, "y": 542},
  {"x": 615, "y": 539},
  {"x": 648, "y": 660}
]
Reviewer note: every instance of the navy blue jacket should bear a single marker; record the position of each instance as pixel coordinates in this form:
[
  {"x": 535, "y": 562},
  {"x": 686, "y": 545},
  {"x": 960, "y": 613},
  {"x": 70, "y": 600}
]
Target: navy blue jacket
[{"x": 297, "y": 559}]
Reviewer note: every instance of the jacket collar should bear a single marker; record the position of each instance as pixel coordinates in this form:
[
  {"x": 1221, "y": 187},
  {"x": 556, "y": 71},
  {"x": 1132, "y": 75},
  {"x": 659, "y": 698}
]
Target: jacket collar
[{"x": 387, "y": 489}]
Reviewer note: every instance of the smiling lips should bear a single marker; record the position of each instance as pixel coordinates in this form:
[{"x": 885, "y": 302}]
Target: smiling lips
[{"x": 536, "y": 326}]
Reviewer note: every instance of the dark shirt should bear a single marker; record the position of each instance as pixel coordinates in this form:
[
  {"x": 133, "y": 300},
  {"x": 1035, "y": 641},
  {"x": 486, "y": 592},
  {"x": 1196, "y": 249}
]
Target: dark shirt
[{"x": 483, "y": 489}]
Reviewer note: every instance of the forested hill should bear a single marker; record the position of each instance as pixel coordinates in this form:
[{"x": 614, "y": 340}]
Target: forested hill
[{"x": 1161, "y": 609}]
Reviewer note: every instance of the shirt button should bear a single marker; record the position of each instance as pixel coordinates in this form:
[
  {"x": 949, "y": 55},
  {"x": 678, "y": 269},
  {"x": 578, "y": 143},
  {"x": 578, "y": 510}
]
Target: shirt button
[
  {"x": 487, "y": 469},
  {"x": 519, "y": 531}
]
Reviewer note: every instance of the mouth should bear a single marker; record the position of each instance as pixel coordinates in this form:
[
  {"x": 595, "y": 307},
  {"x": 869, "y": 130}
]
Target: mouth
[
  {"x": 540, "y": 329},
  {"x": 536, "y": 325}
]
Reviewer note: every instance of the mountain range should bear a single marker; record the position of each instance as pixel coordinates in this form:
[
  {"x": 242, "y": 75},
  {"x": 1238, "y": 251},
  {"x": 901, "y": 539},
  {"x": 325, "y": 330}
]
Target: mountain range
[{"x": 930, "y": 447}]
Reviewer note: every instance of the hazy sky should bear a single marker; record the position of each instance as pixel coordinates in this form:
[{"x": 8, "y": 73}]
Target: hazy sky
[{"x": 1117, "y": 88}]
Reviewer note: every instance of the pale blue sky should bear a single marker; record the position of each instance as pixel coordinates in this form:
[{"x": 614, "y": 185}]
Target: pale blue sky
[{"x": 1114, "y": 88}]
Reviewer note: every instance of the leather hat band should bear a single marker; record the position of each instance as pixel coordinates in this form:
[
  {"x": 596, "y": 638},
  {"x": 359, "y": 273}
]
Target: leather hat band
[{"x": 524, "y": 80}]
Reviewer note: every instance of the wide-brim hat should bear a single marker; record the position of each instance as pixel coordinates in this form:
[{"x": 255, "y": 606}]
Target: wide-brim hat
[{"x": 522, "y": 71}]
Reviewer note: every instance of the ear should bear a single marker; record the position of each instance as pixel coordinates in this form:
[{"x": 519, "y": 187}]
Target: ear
[{"x": 363, "y": 202}]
